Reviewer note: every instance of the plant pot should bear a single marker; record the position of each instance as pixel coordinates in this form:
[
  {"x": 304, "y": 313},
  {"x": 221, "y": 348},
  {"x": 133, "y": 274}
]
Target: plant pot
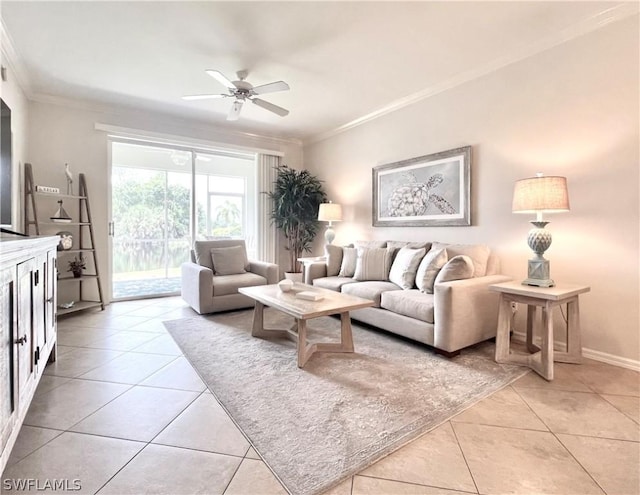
[
  {"x": 293, "y": 276},
  {"x": 77, "y": 274}
]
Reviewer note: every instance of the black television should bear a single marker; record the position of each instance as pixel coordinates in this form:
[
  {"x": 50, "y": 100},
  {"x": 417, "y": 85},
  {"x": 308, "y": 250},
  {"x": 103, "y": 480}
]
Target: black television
[{"x": 6, "y": 168}]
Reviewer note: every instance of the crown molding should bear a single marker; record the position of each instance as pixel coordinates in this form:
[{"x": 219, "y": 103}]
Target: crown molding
[
  {"x": 588, "y": 25},
  {"x": 93, "y": 106},
  {"x": 13, "y": 60}
]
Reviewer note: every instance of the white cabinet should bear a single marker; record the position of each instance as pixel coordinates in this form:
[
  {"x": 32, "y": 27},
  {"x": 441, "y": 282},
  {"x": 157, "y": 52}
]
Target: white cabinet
[{"x": 27, "y": 327}]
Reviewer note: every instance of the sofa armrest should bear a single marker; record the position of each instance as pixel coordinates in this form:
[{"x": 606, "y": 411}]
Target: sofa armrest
[
  {"x": 266, "y": 270},
  {"x": 313, "y": 271},
  {"x": 196, "y": 286},
  {"x": 465, "y": 312}
]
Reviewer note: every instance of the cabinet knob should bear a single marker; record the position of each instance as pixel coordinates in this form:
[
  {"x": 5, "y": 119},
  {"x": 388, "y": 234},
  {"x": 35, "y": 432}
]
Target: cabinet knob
[{"x": 22, "y": 340}]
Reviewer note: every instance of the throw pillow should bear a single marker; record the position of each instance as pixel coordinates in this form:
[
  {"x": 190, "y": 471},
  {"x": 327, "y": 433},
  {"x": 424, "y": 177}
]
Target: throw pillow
[
  {"x": 479, "y": 254},
  {"x": 202, "y": 251},
  {"x": 334, "y": 259},
  {"x": 429, "y": 268},
  {"x": 228, "y": 260},
  {"x": 373, "y": 263},
  {"x": 409, "y": 244},
  {"x": 348, "y": 265},
  {"x": 457, "y": 268},
  {"x": 404, "y": 267}
]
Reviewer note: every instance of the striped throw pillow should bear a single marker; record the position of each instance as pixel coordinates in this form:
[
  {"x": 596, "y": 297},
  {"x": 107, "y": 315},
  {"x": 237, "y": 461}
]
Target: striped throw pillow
[{"x": 373, "y": 263}]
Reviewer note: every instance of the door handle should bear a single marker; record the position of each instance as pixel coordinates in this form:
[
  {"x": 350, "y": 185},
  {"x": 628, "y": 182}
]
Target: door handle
[
  {"x": 112, "y": 229},
  {"x": 22, "y": 340}
]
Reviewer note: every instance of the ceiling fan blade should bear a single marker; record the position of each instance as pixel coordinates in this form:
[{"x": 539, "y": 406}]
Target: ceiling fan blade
[
  {"x": 234, "y": 113},
  {"x": 221, "y": 78},
  {"x": 271, "y": 107},
  {"x": 271, "y": 87},
  {"x": 202, "y": 97}
]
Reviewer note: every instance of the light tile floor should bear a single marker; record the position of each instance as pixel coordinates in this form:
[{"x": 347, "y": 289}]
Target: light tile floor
[{"x": 124, "y": 412}]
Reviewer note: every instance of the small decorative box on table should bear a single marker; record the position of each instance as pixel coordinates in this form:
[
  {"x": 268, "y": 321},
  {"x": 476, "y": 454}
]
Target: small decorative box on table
[{"x": 541, "y": 360}]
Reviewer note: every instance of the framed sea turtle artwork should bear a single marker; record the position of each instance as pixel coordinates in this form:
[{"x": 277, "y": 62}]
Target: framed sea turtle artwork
[{"x": 427, "y": 191}]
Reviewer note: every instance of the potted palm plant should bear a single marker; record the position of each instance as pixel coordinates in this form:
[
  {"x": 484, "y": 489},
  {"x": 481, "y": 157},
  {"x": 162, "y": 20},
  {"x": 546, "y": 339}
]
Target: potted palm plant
[{"x": 296, "y": 197}]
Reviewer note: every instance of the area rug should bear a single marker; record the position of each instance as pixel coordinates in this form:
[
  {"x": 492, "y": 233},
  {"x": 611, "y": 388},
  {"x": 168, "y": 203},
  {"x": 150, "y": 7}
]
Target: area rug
[{"x": 342, "y": 412}]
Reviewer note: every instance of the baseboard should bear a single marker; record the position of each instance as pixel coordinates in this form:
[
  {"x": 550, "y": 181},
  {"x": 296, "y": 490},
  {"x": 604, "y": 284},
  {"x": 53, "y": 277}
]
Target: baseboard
[{"x": 603, "y": 357}]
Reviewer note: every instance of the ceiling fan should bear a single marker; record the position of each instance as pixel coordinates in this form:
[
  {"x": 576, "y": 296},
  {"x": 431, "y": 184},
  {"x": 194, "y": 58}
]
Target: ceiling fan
[{"x": 242, "y": 91}]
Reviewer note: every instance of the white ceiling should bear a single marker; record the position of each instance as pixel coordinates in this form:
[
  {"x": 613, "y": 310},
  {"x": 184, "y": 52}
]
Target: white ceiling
[{"x": 343, "y": 60}]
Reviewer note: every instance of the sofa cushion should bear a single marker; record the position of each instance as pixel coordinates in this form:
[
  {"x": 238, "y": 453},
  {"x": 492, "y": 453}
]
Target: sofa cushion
[
  {"x": 479, "y": 254},
  {"x": 409, "y": 244},
  {"x": 370, "y": 244},
  {"x": 228, "y": 260},
  {"x": 405, "y": 265},
  {"x": 332, "y": 283},
  {"x": 334, "y": 259},
  {"x": 370, "y": 290},
  {"x": 457, "y": 268},
  {"x": 412, "y": 303},
  {"x": 229, "y": 284},
  {"x": 202, "y": 251},
  {"x": 348, "y": 265},
  {"x": 373, "y": 264},
  {"x": 428, "y": 270}
]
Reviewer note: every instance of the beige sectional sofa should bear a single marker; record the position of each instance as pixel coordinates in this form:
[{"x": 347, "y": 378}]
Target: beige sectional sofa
[{"x": 433, "y": 293}]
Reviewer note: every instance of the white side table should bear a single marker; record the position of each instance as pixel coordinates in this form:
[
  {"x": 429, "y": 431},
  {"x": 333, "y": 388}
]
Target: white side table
[{"x": 541, "y": 359}]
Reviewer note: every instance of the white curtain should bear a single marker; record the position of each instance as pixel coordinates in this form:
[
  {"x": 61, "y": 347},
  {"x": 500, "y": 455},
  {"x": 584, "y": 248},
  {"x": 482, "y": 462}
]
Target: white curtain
[{"x": 267, "y": 235}]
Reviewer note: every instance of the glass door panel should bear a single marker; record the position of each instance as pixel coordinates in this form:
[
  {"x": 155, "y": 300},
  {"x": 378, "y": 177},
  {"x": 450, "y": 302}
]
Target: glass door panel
[{"x": 151, "y": 197}]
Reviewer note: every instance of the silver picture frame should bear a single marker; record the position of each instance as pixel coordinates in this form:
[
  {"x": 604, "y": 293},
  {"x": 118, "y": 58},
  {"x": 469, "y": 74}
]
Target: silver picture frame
[{"x": 428, "y": 191}]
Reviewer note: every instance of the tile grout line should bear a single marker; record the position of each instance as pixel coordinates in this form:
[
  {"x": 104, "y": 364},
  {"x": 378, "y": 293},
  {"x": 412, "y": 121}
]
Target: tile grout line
[
  {"x": 560, "y": 441},
  {"x": 411, "y": 483},
  {"x": 466, "y": 462}
]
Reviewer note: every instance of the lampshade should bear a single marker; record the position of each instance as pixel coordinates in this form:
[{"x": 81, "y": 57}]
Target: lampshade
[
  {"x": 330, "y": 212},
  {"x": 541, "y": 193}
]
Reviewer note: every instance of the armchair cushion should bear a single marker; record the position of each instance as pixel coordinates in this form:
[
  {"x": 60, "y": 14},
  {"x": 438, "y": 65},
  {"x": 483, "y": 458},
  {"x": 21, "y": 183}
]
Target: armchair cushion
[
  {"x": 202, "y": 251},
  {"x": 228, "y": 260},
  {"x": 224, "y": 285}
]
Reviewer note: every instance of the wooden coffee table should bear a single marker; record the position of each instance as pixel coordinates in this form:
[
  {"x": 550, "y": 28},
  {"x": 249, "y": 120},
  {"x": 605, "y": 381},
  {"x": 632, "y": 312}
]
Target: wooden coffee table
[{"x": 333, "y": 303}]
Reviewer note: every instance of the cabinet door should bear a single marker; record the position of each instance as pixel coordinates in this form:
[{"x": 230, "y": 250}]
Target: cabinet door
[
  {"x": 7, "y": 321},
  {"x": 39, "y": 310},
  {"x": 51, "y": 299},
  {"x": 23, "y": 336}
]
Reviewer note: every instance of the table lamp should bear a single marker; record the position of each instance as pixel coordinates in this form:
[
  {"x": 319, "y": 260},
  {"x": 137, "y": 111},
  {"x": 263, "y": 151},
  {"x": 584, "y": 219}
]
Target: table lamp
[
  {"x": 330, "y": 212},
  {"x": 540, "y": 194}
]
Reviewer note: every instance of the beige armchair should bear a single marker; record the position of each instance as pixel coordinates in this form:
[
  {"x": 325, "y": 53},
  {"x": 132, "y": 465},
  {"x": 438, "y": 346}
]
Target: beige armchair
[{"x": 210, "y": 282}]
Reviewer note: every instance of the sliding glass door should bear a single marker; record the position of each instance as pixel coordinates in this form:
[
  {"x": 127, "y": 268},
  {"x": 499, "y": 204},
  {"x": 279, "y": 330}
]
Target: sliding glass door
[{"x": 156, "y": 215}]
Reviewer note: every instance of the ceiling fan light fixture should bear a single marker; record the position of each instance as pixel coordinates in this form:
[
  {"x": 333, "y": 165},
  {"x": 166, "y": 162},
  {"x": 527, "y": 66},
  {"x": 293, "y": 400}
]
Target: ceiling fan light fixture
[
  {"x": 234, "y": 113},
  {"x": 242, "y": 90}
]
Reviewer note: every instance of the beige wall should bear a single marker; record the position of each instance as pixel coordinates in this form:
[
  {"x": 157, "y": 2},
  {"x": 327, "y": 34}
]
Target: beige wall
[
  {"x": 62, "y": 134},
  {"x": 572, "y": 110}
]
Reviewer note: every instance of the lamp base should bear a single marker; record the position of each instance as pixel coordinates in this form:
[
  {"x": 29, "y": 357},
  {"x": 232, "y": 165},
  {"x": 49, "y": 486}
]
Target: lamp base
[
  {"x": 329, "y": 235},
  {"x": 538, "y": 274}
]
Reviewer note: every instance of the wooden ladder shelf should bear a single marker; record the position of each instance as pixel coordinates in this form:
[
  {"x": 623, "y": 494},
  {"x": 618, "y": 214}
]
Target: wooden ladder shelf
[{"x": 84, "y": 247}]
